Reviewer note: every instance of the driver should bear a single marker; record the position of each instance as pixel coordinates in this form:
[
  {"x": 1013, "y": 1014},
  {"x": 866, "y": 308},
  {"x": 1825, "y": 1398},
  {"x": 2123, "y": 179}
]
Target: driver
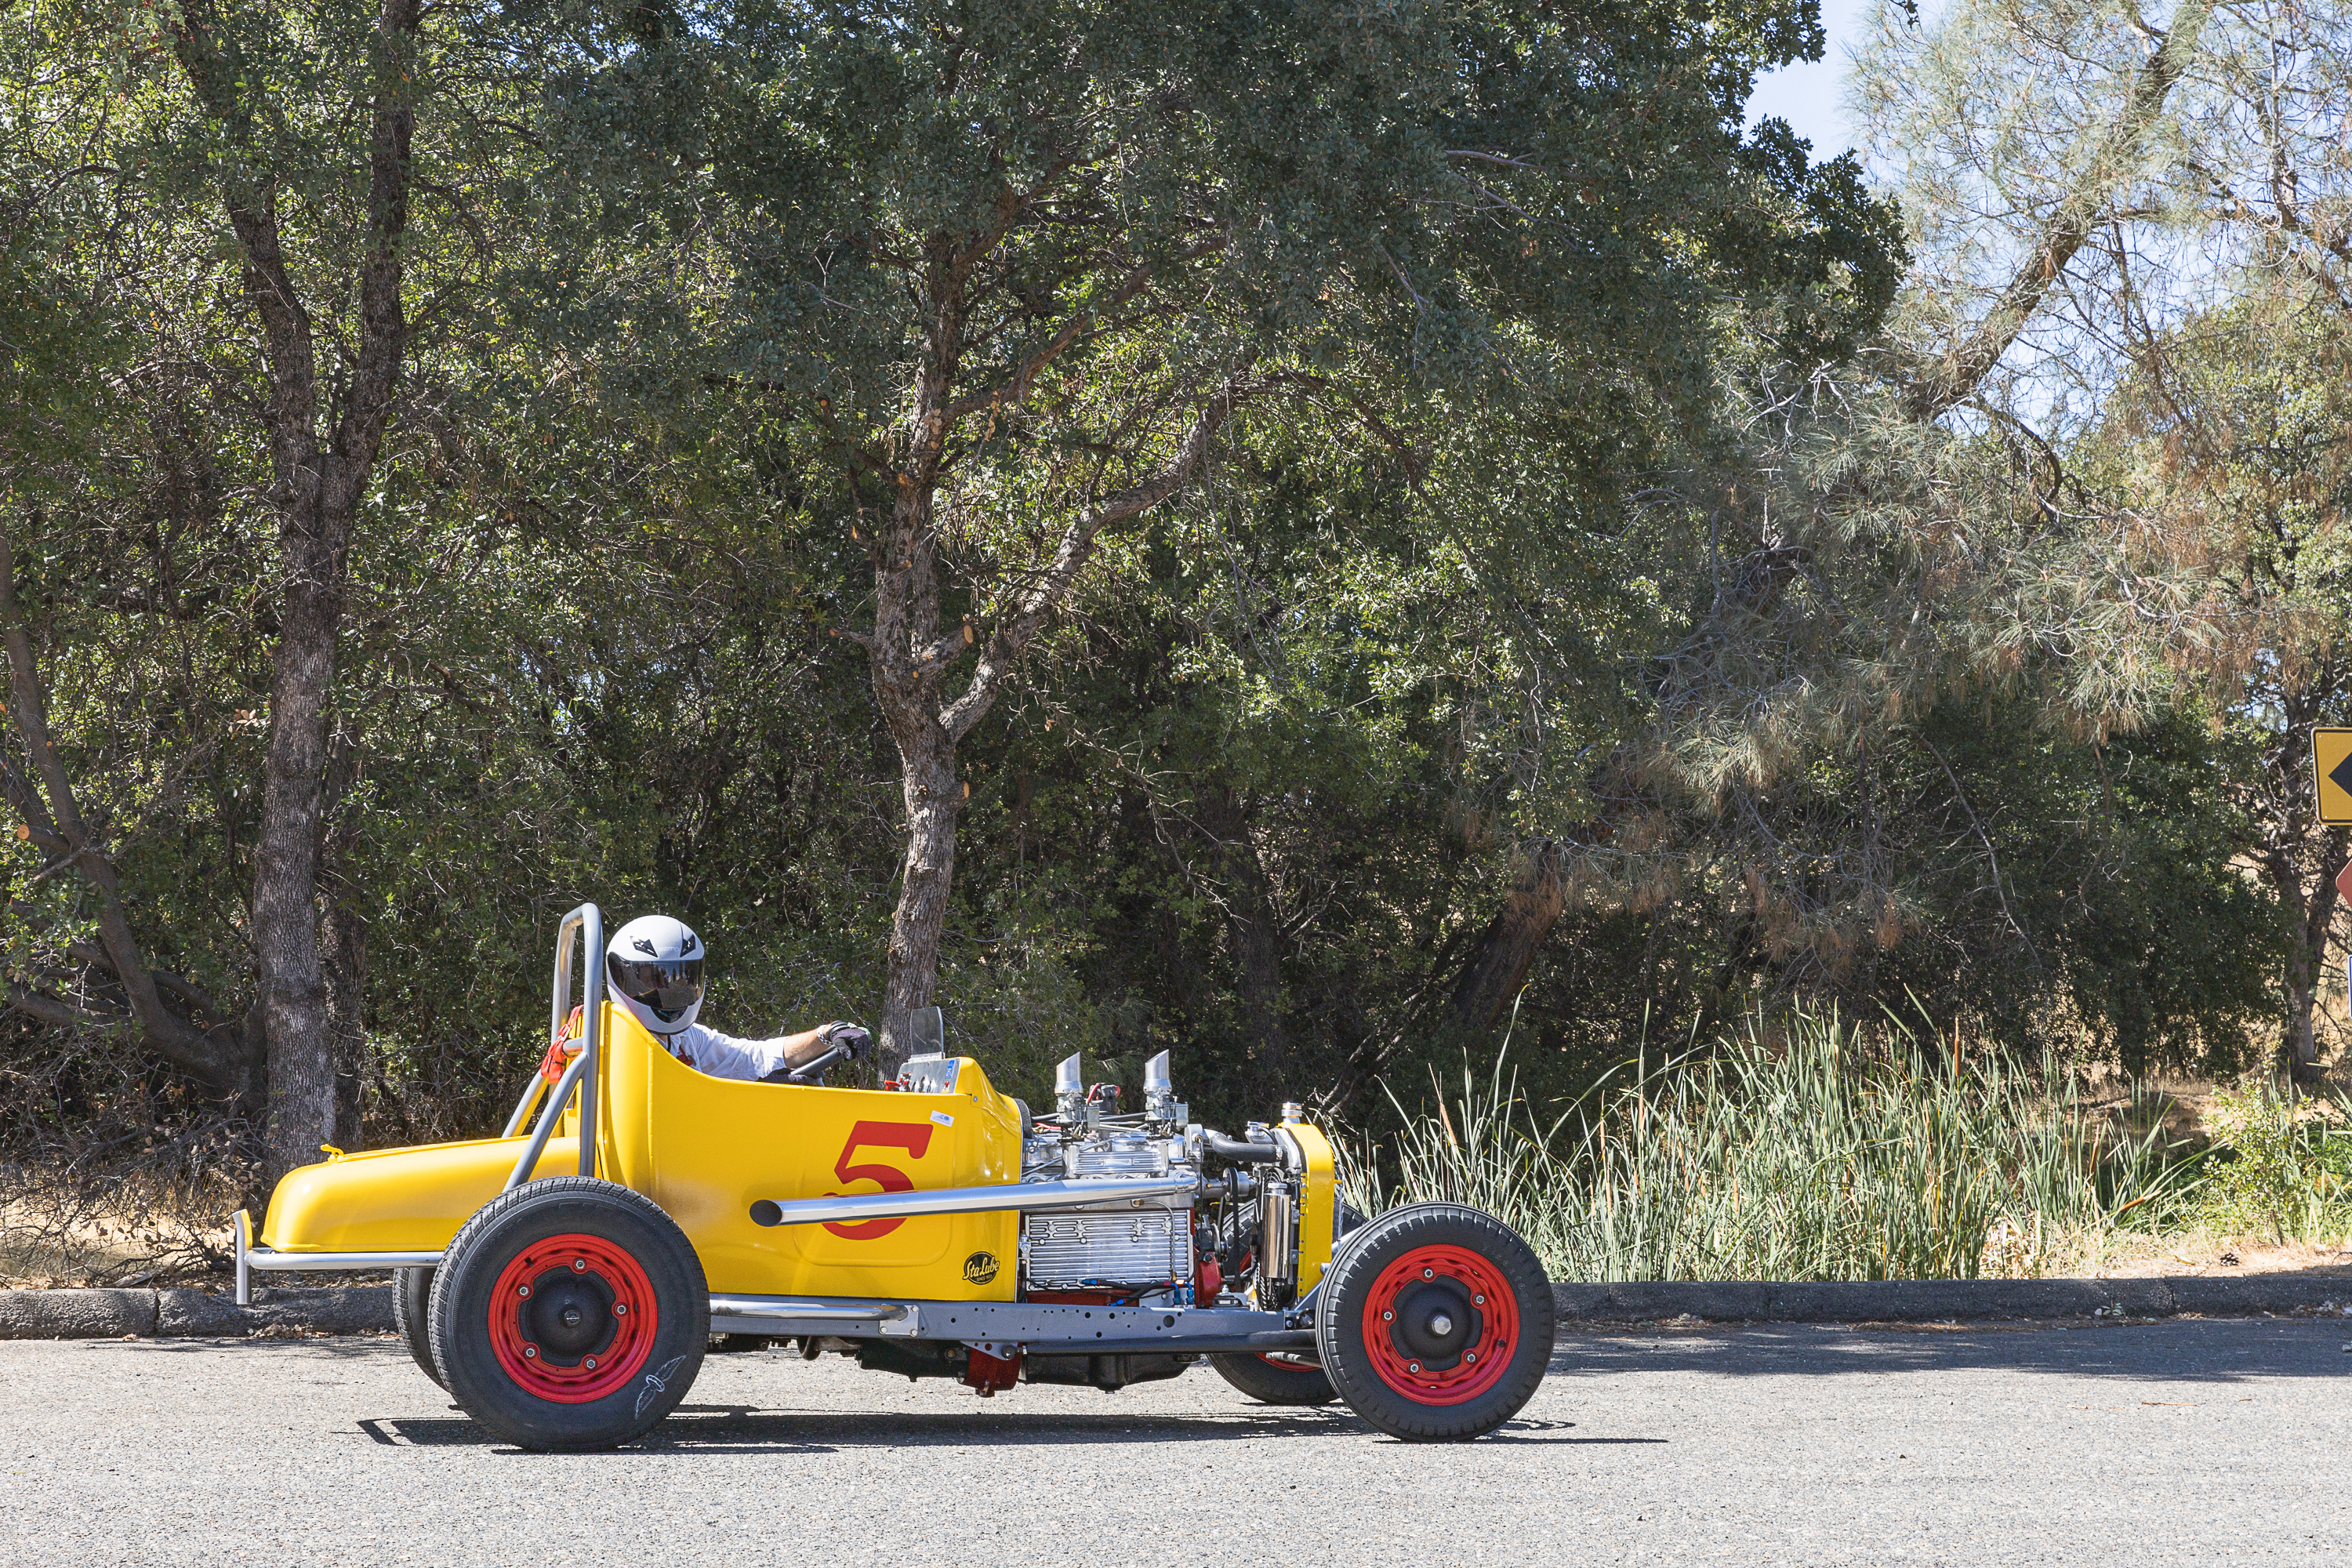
[{"x": 654, "y": 968}]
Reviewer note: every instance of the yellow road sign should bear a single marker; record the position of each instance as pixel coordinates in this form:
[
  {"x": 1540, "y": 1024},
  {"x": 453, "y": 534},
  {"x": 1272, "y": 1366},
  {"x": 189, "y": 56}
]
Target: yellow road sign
[{"x": 2331, "y": 772}]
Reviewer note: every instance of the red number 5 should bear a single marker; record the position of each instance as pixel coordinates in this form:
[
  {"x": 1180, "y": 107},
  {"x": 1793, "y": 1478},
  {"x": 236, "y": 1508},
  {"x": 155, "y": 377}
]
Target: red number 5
[{"x": 914, "y": 1137}]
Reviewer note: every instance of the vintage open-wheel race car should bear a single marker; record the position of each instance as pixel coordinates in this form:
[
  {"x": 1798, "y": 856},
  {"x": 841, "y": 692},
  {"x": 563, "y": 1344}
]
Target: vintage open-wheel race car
[{"x": 563, "y": 1281}]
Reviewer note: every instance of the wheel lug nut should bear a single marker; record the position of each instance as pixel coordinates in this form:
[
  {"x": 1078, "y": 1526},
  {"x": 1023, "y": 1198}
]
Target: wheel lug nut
[
  {"x": 580, "y": 1266},
  {"x": 1477, "y": 1300},
  {"x": 1467, "y": 1358},
  {"x": 620, "y": 1309},
  {"x": 1412, "y": 1367},
  {"x": 590, "y": 1362},
  {"x": 522, "y": 1290},
  {"x": 1388, "y": 1317},
  {"x": 530, "y": 1351},
  {"x": 1429, "y": 1274}
]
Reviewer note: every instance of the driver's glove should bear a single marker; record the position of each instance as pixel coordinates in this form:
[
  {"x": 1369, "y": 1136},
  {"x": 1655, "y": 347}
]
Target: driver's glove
[{"x": 851, "y": 1037}]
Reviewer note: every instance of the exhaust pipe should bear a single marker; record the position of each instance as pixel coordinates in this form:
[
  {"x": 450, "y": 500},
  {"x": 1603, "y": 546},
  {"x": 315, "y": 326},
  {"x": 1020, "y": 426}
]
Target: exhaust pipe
[{"x": 1026, "y": 1197}]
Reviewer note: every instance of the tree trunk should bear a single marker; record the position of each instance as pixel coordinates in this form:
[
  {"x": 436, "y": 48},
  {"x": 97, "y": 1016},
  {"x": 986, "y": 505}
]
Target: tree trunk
[
  {"x": 297, "y": 1043},
  {"x": 1506, "y": 951},
  {"x": 934, "y": 804},
  {"x": 2306, "y": 959},
  {"x": 343, "y": 951},
  {"x": 909, "y": 651},
  {"x": 317, "y": 488}
]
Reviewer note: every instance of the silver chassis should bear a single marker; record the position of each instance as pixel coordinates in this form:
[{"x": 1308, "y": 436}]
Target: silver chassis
[{"x": 1045, "y": 1328}]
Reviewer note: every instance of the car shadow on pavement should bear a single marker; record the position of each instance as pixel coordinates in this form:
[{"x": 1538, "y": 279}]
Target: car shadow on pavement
[
  {"x": 2177, "y": 1350},
  {"x": 708, "y": 1429},
  {"x": 346, "y": 1347}
]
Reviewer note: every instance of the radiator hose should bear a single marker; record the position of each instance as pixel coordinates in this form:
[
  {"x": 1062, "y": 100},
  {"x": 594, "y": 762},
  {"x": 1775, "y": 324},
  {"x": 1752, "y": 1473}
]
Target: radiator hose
[{"x": 1240, "y": 1150}]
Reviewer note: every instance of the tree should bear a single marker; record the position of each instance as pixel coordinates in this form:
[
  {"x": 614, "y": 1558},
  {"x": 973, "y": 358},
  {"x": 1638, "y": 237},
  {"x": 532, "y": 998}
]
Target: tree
[
  {"x": 1016, "y": 271},
  {"x": 264, "y": 168},
  {"x": 234, "y": 61},
  {"x": 2171, "y": 206}
]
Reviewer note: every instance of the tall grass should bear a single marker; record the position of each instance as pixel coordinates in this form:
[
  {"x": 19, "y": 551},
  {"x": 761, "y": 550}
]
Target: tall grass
[{"x": 1811, "y": 1157}]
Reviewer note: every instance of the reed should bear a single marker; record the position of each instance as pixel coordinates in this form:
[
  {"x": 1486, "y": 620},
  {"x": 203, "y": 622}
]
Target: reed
[{"x": 1811, "y": 1155}]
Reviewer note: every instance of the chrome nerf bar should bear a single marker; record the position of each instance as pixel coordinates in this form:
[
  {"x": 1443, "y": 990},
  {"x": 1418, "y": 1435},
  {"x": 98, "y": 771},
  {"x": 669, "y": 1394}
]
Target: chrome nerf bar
[
  {"x": 1045, "y": 1328},
  {"x": 1023, "y": 1197},
  {"x": 251, "y": 1258}
]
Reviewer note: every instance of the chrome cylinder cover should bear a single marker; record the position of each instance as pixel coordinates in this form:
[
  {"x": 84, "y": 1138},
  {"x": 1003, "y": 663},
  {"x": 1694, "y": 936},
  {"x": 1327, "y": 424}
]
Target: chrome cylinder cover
[{"x": 1106, "y": 1248}]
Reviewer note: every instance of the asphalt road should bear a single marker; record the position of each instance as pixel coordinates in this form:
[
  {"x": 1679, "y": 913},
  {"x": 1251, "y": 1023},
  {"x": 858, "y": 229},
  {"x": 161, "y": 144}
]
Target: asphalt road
[{"x": 2175, "y": 1442}]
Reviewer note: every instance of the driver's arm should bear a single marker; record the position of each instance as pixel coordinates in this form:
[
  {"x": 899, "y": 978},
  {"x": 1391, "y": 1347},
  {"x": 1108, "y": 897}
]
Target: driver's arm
[
  {"x": 803, "y": 1047},
  {"x": 725, "y": 1055}
]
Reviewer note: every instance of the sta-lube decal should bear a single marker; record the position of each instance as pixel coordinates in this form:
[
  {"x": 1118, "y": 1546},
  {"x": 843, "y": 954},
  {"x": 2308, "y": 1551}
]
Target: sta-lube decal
[{"x": 979, "y": 1267}]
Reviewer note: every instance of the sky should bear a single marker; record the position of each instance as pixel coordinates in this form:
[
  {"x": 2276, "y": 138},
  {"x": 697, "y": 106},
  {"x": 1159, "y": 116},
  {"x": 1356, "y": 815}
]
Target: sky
[{"x": 1811, "y": 98}]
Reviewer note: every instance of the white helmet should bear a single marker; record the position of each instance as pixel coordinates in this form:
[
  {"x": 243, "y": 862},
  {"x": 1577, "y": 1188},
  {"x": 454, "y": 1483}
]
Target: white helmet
[{"x": 654, "y": 968}]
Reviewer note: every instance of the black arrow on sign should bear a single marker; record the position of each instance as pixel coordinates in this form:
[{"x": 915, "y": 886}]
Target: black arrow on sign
[{"x": 2340, "y": 775}]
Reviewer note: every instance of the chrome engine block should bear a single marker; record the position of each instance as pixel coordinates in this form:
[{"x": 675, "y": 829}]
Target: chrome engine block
[
  {"x": 1140, "y": 1244},
  {"x": 1075, "y": 1249}
]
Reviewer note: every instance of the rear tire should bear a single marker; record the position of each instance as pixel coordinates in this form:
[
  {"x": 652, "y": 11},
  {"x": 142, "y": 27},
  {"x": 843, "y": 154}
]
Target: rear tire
[
  {"x": 1436, "y": 1322},
  {"x": 570, "y": 1314},
  {"x": 412, "y": 1316},
  {"x": 1276, "y": 1380}
]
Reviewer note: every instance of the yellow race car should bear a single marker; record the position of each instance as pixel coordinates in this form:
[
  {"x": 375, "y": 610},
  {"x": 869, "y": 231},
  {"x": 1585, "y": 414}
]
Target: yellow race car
[{"x": 563, "y": 1281}]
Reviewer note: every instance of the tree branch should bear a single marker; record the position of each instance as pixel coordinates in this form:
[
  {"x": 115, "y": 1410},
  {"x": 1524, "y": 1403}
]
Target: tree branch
[
  {"x": 219, "y": 1062},
  {"x": 1938, "y": 388},
  {"x": 1012, "y": 637},
  {"x": 1014, "y": 389}
]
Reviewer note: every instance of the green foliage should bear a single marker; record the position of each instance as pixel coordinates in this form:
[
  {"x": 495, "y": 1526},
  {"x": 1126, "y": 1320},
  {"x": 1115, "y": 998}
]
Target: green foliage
[
  {"x": 1793, "y": 1152},
  {"x": 1572, "y": 523},
  {"x": 2274, "y": 1171}
]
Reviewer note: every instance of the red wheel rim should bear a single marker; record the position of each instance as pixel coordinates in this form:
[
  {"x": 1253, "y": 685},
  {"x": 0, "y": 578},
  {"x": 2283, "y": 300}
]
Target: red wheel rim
[
  {"x": 572, "y": 1317},
  {"x": 1425, "y": 1285}
]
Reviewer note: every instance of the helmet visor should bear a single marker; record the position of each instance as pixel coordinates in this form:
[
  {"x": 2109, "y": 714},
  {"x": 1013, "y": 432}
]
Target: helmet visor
[{"x": 667, "y": 987}]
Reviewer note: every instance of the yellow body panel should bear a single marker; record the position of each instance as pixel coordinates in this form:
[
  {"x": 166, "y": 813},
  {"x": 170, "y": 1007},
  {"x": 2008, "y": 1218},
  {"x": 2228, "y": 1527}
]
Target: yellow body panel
[
  {"x": 707, "y": 1149},
  {"x": 398, "y": 1200},
  {"x": 1318, "y": 1204}
]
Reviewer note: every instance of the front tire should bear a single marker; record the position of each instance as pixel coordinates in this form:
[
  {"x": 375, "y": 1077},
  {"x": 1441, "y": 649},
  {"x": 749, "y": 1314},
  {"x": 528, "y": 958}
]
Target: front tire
[
  {"x": 570, "y": 1314},
  {"x": 1275, "y": 1379},
  {"x": 1436, "y": 1322},
  {"x": 412, "y": 1316}
]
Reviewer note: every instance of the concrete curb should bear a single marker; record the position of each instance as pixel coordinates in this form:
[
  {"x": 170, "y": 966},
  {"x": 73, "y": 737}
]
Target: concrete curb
[
  {"x": 1932, "y": 1300},
  {"x": 197, "y": 1314},
  {"x": 367, "y": 1309}
]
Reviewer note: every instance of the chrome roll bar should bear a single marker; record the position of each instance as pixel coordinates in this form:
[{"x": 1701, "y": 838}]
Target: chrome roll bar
[
  {"x": 578, "y": 1076},
  {"x": 589, "y": 920},
  {"x": 582, "y": 1073}
]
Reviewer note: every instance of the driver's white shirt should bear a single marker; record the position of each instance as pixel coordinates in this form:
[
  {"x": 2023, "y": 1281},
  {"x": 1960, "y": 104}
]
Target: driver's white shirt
[{"x": 707, "y": 1050}]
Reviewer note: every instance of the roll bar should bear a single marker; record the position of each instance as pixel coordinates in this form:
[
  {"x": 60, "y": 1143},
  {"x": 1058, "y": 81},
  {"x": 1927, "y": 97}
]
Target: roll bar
[
  {"x": 579, "y": 1076},
  {"x": 589, "y": 920},
  {"x": 559, "y": 1008}
]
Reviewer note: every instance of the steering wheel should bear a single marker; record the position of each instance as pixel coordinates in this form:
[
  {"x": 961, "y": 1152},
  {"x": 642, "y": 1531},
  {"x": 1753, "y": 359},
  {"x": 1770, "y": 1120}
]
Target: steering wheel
[{"x": 810, "y": 1071}]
